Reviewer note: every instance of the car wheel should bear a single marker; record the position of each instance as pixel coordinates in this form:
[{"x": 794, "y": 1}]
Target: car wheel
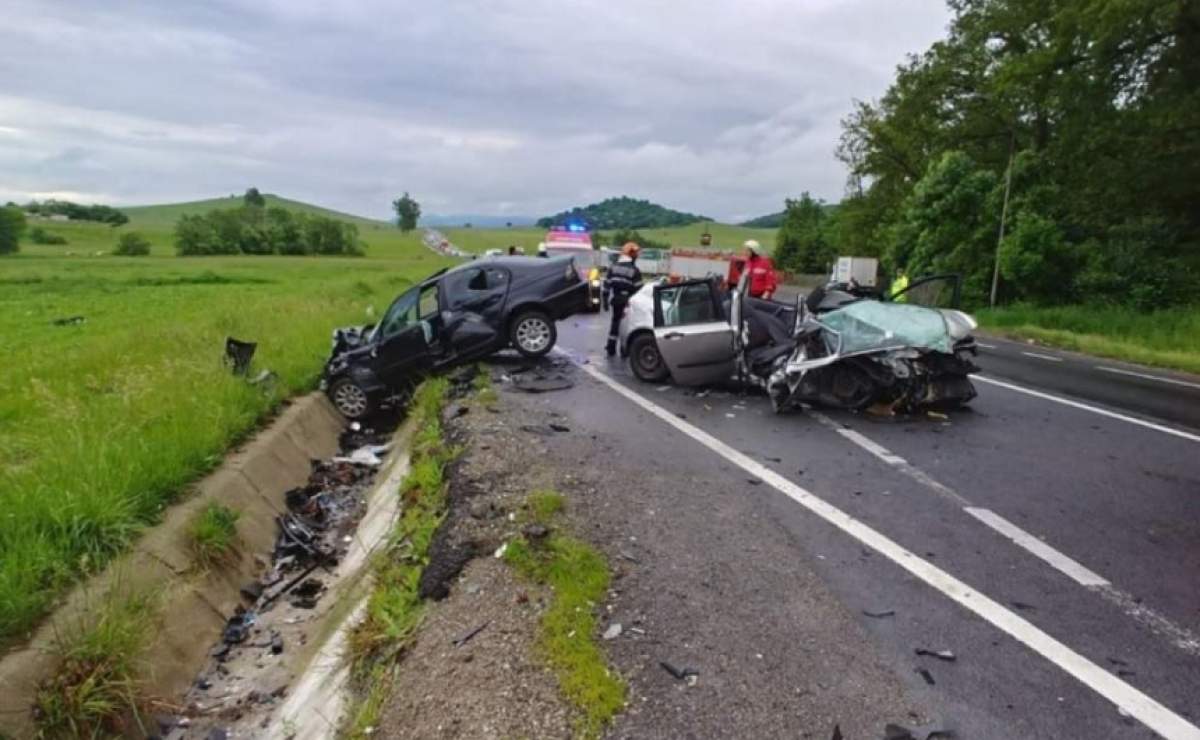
[
  {"x": 350, "y": 399},
  {"x": 645, "y": 360},
  {"x": 533, "y": 333}
]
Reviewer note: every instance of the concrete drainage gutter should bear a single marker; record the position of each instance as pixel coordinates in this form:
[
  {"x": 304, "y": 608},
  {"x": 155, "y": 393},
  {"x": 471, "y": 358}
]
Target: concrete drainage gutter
[{"x": 196, "y": 604}]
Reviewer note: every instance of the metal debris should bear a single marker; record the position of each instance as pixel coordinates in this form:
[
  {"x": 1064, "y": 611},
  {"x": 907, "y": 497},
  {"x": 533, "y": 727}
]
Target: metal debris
[{"x": 945, "y": 655}]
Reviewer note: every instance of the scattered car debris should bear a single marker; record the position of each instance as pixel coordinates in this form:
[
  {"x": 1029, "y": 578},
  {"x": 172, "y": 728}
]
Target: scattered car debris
[
  {"x": 880, "y": 614},
  {"x": 679, "y": 673},
  {"x": 365, "y": 455},
  {"x": 837, "y": 733},
  {"x": 69, "y": 321},
  {"x": 465, "y": 638},
  {"x": 754, "y": 481},
  {"x": 925, "y": 674},
  {"x": 238, "y": 354},
  {"x": 613, "y": 632},
  {"x": 945, "y": 655},
  {"x": 560, "y": 428},
  {"x": 238, "y": 626},
  {"x": 1022, "y": 606}
]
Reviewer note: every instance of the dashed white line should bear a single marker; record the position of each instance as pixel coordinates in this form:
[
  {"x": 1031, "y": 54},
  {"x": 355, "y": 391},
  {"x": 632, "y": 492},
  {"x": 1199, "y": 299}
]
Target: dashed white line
[
  {"x": 1147, "y": 376},
  {"x": 1041, "y": 356},
  {"x": 1056, "y": 559},
  {"x": 1087, "y": 407},
  {"x": 1137, "y": 704}
]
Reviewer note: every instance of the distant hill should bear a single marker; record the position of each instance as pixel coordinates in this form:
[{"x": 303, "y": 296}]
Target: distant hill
[
  {"x": 165, "y": 215},
  {"x": 624, "y": 213},
  {"x": 774, "y": 220}
]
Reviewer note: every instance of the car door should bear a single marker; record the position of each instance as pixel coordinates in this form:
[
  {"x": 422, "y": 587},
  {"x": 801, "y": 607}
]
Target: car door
[
  {"x": 693, "y": 337},
  {"x": 473, "y": 308},
  {"x": 402, "y": 350},
  {"x": 934, "y": 291}
]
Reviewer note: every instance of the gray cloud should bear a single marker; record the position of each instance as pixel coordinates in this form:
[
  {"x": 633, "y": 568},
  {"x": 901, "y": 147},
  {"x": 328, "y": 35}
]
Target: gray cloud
[{"x": 501, "y": 106}]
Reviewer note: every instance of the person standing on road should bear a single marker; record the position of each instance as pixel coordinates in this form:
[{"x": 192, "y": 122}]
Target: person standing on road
[
  {"x": 623, "y": 280},
  {"x": 762, "y": 271}
]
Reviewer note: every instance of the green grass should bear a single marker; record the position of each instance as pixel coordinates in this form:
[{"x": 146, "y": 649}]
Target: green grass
[
  {"x": 213, "y": 533},
  {"x": 394, "y": 608},
  {"x": 1168, "y": 338},
  {"x": 157, "y": 224},
  {"x": 103, "y": 424},
  {"x": 578, "y": 577},
  {"x": 95, "y": 689},
  {"x": 725, "y": 236}
]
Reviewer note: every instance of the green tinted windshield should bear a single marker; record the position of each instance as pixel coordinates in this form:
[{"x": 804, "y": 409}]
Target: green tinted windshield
[{"x": 868, "y": 325}]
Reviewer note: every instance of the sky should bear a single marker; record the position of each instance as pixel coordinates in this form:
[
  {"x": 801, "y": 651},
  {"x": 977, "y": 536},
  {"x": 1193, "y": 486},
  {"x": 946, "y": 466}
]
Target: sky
[{"x": 497, "y": 107}]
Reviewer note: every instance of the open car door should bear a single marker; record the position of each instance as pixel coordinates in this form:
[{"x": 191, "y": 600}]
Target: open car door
[
  {"x": 693, "y": 337},
  {"x": 934, "y": 291}
]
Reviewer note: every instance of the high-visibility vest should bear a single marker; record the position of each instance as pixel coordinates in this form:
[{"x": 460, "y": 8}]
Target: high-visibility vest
[{"x": 898, "y": 285}]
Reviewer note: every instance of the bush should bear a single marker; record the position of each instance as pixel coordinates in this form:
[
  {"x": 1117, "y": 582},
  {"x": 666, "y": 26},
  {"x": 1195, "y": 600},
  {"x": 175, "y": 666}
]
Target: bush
[
  {"x": 250, "y": 230},
  {"x": 38, "y": 235},
  {"x": 12, "y": 225},
  {"x": 132, "y": 244}
]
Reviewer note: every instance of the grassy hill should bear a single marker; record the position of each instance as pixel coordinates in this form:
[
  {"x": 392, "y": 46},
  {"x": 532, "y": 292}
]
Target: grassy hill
[{"x": 157, "y": 223}]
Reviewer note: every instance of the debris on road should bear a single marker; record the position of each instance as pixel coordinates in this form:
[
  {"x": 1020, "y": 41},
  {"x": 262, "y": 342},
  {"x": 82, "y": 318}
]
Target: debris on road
[
  {"x": 465, "y": 638},
  {"x": 613, "y": 632},
  {"x": 927, "y": 676},
  {"x": 945, "y": 655},
  {"x": 238, "y": 626},
  {"x": 879, "y": 615},
  {"x": 679, "y": 673}
]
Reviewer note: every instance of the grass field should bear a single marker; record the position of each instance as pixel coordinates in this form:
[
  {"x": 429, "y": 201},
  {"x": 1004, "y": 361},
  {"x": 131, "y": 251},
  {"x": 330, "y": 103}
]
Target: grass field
[
  {"x": 157, "y": 223},
  {"x": 103, "y": 423},
  {"x": 1169, "y": 338},
  {"x": 724, "y": 236}
]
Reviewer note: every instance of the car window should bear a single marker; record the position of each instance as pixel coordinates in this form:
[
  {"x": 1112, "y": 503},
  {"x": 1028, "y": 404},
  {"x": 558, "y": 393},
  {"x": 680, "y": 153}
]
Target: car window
[
  {"x": 496, "y": 277},
  {"x": 401, "y": 314},
  {"x": 429, "y": 301},
  {"x": 687, "y": 304}
]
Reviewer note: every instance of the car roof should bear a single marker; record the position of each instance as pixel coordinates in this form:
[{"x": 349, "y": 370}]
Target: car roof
[{"x": 514, "y": 263}]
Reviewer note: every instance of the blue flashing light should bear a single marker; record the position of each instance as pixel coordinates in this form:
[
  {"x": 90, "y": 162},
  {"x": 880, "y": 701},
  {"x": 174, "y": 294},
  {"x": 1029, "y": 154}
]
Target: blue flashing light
[{"x": 576, "y": 227}]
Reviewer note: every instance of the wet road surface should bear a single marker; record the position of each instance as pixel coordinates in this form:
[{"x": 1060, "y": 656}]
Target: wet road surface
[{"x": 1084, "y": 526}]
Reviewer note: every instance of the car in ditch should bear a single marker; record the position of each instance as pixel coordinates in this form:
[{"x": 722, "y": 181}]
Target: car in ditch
[
  {"x": 454, "y": 316},
  {"x": 839, "y": 346}
]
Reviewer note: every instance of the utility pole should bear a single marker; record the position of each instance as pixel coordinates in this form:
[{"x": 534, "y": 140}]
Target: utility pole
[{"x": 1012, "y": 148}]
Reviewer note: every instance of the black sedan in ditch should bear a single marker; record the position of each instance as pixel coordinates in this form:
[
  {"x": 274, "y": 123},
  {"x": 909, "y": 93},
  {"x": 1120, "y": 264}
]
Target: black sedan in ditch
[{"x": 454, "y": 316}]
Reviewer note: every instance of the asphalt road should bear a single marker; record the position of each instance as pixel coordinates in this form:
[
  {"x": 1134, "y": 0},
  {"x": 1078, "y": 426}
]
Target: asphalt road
[{"x": 1049, "y": 536}]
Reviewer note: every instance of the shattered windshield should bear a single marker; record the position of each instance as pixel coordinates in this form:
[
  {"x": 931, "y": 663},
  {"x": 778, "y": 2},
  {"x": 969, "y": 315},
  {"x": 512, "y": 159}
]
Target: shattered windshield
[{"x": 868, "y": 325}]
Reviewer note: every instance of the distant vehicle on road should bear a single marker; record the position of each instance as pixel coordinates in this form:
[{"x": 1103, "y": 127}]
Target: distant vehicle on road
[
  {"x": 836, "y": 347},
  {"x": 573, "y": 240},
  {"x": 453, "y": 316}
]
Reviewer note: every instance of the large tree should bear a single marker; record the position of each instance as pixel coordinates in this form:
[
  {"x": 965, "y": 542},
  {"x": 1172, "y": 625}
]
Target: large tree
[
  {"x": 12, "y": 226},
  {"x": 801, "y": 244},
  {"x": 407, "y": 212}
]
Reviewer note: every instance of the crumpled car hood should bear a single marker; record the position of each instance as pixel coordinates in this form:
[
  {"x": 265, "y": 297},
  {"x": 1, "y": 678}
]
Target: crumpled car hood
[{"x": 866, "y": 326}]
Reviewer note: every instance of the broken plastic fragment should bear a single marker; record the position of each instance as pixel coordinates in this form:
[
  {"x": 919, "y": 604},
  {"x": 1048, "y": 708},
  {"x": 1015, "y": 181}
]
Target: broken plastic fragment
[
  {"x": 501, "y": 550},
  {"x": 613, "y": 631},
  {"x": 945, "y": 655}
]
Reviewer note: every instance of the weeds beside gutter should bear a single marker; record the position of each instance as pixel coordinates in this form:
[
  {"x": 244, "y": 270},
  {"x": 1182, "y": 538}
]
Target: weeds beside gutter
[
  {"x": 578, "y": 576},
  {"x": 394, "y": 609}
]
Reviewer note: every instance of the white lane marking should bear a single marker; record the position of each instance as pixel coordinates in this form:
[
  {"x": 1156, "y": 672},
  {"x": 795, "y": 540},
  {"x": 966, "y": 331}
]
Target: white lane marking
[
  {"x": 1157, "y": 624},
  {"x": 1040, "y": 356},
  {"x": 1135, "y": 703},
  {"x": 1086, "y": 407},
  {"x": 890, "y": 458},
  {"x": 985, "y": 346},
  {"x": 1147, "y": 376},
  {"x": 1056, "y": 559}
]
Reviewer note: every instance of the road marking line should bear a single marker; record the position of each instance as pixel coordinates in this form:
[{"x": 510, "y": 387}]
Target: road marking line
[
  {"x": 1039, "y": 549},
  {"x": 985, "y": 346},
  {"x": 1086, "y": 407},
  {"x": 1040, "y": 356},
  {"x": 1137, "y": 704},
  {"x": 1147, "y": 376},
  {"x": 1157, "y": 624},
  {"x": 890, "y": 458}
]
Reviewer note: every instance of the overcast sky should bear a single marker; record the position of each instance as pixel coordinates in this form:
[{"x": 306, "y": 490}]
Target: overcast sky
[{"x": 494, "y": 106}]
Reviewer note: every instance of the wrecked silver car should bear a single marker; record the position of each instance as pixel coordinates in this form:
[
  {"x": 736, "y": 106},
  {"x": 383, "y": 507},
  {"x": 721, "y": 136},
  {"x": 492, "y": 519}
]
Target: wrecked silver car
[{"x": 835, "y": 347}]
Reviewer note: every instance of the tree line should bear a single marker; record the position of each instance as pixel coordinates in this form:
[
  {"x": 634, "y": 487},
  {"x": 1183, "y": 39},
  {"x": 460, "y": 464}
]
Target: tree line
[
  {"x": 76, "y": 212},
  {"x": 1075, "y": 122},
  {"x": 253, "y": 229}
]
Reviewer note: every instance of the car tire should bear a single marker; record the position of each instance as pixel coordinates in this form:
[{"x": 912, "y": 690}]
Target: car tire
[
  {"x": 350, "y": 399},
  {"x": 645, "y": 360},
  {"x": 532, "y": 333}
]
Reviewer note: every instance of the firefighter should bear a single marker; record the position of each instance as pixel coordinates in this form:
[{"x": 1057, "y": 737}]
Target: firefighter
[
  {"x": 623, "y": 280},
  {"x": 762, "y": 271},
  {"x": 899, "y": 285}
]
